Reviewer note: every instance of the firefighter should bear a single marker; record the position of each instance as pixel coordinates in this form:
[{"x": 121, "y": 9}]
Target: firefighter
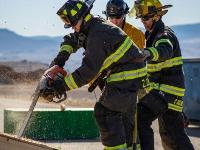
[
  {"x": 116, "y": 11},
  {"x": 107, "y": 48},
  {"x": 166, "y": 81}
]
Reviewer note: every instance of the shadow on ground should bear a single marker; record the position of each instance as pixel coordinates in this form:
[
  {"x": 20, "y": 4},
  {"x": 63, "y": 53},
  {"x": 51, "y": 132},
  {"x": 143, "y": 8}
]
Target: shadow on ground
[{"x": 193, "y": 130}]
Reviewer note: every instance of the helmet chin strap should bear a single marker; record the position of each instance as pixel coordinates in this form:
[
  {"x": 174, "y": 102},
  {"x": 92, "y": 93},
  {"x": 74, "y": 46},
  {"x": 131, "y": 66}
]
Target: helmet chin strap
[
  {"x": 123, "y": 23},
  {"x": 82, "y": 25},
  {"x": 153, "y": 24}
]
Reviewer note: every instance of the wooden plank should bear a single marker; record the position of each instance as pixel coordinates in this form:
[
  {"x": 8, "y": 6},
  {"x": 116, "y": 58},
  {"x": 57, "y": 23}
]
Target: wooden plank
[{"x": 11, "y": 142}]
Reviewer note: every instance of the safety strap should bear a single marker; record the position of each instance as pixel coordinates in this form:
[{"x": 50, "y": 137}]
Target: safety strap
[
  {"x": 166, "y": 88},
  {"x": 166, "y": 64},
  {"x": 127, "y": 75}
]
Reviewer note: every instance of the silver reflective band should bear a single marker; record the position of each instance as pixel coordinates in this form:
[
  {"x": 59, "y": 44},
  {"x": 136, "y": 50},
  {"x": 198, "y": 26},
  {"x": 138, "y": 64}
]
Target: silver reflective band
[
  {"x": 166, "y": 64},
  {"x": 127, "y": 75},
  {"x": 117, "y": 54},
  {"x": 166, "y": 88},
  {"x": 164, "y": 41}
]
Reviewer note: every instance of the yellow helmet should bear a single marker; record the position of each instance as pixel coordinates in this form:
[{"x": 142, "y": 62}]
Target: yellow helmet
[{"x": 149, "y": 8}]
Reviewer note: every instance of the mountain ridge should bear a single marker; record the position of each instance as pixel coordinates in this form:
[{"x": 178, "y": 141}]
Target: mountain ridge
[{"x": 15, "y": 47}]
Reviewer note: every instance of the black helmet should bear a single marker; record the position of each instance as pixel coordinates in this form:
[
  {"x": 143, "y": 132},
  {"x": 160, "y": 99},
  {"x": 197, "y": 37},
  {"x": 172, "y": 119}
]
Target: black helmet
[
  {"x": 72, "y": 11},
  {"x": 116, "y": 8}
]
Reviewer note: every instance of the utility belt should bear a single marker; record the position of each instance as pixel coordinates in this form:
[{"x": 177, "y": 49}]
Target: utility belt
[
  {"x": 177, "y": 104},
  {"x": 114, "y": 77}
]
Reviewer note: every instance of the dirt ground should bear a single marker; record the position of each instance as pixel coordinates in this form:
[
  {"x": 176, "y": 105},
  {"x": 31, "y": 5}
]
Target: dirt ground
[{"x": 18, "y": 96}]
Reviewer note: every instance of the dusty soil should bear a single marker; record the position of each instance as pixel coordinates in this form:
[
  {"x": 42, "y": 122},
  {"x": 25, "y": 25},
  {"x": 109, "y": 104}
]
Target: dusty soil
[
  {"x": 9, "y": 76},
  {"x": 23, "y": 92},
  {"x": 18, "y": 96}
]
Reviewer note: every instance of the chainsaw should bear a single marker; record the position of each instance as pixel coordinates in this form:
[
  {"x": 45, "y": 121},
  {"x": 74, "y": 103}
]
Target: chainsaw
[{"x": 46, "y": 90}]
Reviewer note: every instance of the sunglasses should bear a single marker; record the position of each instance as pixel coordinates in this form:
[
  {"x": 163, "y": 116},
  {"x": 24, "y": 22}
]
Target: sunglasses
[{"x": 147, "y": 17}]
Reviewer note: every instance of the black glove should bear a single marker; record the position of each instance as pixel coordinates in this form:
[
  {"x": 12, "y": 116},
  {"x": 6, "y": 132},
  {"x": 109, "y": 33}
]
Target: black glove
[
  {"x": 53, "y": 83},
  {"x": 59, "y": 86}
]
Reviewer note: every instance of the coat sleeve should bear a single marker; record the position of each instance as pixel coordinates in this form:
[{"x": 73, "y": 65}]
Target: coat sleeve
[
  {"x": 162, "y": 48},
  {"x": 68, "y": 46},
  {"x": 91, "y": 63}
]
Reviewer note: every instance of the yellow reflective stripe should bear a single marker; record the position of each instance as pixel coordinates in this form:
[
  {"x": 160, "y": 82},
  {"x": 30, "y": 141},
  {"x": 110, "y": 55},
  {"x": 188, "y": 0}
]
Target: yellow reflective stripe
[
  {"x": 127, "y": 75},
  {"x": 67, "y": 48},
  {"x": 69, "y": 80},
  {"x": 88, "y": 17},
  {"x": 175, "y": 107},
  {"x": 166, "y": 64},
  {"x": 73, "y": 12},
  {"x": 138, "y": 147},
  {"x": 130, "y": 148},
  {"x": 178, "y": 102},
  {"x": 79, "y": 5},
  {"x": 118, "y": 147},
  {"x": 64, "y": 12},
  {"x": 166, "y": 88},
  {"x": 164, "y": 41},
  {"x": 117, "y": 54},
  {"x": 154, "y": 52},
  {"x": 152, "y": 86},
  {"x": 172, "y": 90}
]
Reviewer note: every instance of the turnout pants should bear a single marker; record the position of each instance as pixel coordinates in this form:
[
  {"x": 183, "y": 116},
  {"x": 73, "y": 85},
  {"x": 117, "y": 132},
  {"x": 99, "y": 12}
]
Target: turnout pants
[
  {"x": 171, "y": 126},
  {"x": 114, "y": 114}
]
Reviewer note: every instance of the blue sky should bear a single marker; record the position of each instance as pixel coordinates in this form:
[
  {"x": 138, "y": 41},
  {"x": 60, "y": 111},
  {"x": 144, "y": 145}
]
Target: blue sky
[{"x": 38, "y": 17}]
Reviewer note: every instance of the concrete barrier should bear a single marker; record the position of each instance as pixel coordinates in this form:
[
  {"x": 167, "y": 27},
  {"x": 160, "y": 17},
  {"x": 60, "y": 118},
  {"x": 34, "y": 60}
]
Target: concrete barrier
[{"x": 53, "y": 124}]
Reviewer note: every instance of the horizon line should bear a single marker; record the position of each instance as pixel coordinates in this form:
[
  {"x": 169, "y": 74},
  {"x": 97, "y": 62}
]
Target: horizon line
[{"x": 47, "y": 35}]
